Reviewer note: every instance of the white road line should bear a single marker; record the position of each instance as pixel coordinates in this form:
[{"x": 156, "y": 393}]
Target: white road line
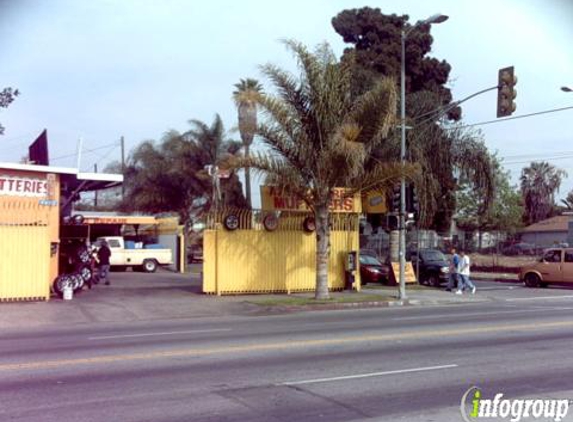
[
  {"x": 169, "y": 333},
  {"x": 538, "y": 298},
  {"x": 372, "y": 374}
]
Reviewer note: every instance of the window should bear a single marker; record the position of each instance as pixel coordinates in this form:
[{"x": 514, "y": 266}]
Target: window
[
  {"x": 569, "y": 256},
  {"x": 114, "y": 243},
  {"x": 552, "y": 256}
]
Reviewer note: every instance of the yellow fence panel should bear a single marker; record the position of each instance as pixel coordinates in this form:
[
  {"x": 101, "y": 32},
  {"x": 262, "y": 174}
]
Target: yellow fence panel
[
  {"x": 24, "y": 262},
  {"x": 254, "y": 260}
]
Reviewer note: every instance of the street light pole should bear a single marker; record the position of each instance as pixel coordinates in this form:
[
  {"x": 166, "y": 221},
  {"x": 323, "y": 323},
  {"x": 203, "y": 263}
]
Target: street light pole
[{"x": 437, "y": 18}]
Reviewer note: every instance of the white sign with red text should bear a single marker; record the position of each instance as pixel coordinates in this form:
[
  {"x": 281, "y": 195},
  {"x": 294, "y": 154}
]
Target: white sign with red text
[{"x": 23, "y": 186}]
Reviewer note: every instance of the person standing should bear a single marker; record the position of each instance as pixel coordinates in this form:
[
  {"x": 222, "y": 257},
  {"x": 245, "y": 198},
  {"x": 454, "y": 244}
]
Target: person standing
[
  {"x": 454, "y": 265},
  {"x": 103, "y": 255},
  {"x": 465, "y": 281}
]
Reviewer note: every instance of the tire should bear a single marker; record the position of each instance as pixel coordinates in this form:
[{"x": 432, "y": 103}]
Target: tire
[
  {"x": 434, "y": 280},
  {"x": 82, "y": 255},
  {"x": 532, "y": 280},
  {"x": 60, "y": 283},
  {"x": 149, "y": 266}
]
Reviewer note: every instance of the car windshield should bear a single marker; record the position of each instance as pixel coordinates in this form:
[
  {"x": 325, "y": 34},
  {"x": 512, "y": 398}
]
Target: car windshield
[
  {"x": 433, "y": 255},
  {"x": 369, "y": 260}
]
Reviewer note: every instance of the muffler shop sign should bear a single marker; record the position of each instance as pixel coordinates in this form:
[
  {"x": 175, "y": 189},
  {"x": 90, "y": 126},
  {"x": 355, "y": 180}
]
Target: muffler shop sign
[{"x": 23, "y": 186}]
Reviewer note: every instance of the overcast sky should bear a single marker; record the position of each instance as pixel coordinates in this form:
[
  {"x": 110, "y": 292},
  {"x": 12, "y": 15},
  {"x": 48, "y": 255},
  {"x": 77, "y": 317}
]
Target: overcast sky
[{"x": 102, "y": 69}]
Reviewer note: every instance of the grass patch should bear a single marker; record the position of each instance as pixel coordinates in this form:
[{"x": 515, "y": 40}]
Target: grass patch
[{"x": 309, "y": 301}]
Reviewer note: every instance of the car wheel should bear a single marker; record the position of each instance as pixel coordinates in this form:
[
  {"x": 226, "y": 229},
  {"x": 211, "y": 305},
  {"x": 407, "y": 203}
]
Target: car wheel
[
  {"x": 532, "y": 280},
  {"x": 434, "y": 280},
  {"x": 149, "y": 265}
]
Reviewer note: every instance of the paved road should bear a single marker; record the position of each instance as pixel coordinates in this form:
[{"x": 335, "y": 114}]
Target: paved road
[{"x": 383, "y": 364}]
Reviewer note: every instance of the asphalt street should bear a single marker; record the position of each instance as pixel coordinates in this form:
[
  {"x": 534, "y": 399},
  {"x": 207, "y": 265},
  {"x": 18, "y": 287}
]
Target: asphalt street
[{"x": 380, "y": 364}]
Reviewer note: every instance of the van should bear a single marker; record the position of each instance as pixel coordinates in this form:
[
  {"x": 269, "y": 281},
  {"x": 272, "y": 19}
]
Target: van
[{"x": 554, "y": 266}]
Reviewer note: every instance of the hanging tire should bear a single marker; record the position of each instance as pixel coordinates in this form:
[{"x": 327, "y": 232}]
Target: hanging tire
[
  {"x": 149, "y": 265},
  {"x": 532, "y": 280},
  {"x": 82, "y": 255}
]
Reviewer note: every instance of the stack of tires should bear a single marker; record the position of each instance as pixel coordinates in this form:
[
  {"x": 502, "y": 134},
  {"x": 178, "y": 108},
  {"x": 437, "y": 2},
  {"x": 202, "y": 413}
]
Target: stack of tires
[{"x": 77, "y": 269}]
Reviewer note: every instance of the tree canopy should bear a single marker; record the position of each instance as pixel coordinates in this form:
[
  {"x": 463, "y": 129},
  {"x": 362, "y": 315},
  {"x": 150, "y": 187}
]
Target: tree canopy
[
  {"x": 435, "y": 141},
  {"x": 171, "y": 176},
  {"x": 539, "y": 183},
  {"x": 7, "y": 95}
]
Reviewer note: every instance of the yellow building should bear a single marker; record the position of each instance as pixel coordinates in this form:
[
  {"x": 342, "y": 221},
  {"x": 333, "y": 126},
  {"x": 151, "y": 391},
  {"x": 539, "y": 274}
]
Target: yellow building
[{"x": 33, "y": 198}]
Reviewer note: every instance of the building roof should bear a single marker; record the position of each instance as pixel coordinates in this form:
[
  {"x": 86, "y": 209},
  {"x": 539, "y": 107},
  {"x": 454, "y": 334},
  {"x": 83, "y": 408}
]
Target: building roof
[
  {"x": 87, "y": 181},
  {"x": 559, "y": 223}
]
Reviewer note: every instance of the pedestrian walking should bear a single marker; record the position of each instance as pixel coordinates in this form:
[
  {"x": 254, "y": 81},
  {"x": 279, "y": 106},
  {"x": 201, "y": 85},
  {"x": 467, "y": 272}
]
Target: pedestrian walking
[
  {"x": 453, "y": 281},
  {"x": 464, "y": 271},
  {"x": 103, "y": 255}
]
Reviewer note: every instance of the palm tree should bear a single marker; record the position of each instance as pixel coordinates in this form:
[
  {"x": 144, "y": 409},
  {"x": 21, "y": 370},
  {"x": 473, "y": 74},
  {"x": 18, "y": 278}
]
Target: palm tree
[
  {"x": 568, "y": 202},
  {"x": 539, "y": 182},
  {"x": 320, "y": 137},
  {"x": 245, "y": 97},
  {"x": 171, "y": 175}
]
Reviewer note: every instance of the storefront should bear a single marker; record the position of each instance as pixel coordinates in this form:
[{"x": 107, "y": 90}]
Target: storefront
[{"x": 33, "y": 199}]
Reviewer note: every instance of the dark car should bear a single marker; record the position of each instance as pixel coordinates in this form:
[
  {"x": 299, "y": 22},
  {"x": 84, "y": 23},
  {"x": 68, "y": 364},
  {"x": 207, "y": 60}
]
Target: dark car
[
  {"x": 372, "y": 270},
  {"x": 520, "y": 249},
  {"x": 432, "y": 267}
]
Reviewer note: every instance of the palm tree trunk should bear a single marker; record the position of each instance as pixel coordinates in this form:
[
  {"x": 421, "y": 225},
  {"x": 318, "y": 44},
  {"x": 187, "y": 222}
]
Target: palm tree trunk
[
  {"x": 248, "y": 179},
  {"x": 322, "y": 246}
]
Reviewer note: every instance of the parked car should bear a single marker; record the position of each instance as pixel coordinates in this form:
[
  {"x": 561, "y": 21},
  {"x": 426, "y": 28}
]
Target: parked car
[
  {"x": 194, "y": 254},
  {"x": 372, "y": 270},
  {"x": 431, "y": 265},
  {"x": 554, "y": 266},
  {"x": 519, "y": 249}
]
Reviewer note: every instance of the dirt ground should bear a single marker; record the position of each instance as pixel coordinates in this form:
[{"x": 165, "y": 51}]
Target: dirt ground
[{"x": 500, "y": 262}]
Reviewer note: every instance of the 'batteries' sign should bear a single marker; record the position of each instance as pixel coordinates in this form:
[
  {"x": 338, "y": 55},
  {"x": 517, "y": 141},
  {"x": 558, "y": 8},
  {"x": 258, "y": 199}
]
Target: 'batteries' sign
[{"x": 23, "y": 186}]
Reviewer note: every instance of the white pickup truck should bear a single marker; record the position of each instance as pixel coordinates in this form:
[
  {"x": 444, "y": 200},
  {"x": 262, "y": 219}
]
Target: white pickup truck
[{"x": 139, "y": 256}]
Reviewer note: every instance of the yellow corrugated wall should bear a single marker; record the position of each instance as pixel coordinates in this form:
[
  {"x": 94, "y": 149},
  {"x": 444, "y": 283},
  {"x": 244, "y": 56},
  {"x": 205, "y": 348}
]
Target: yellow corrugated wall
[
  {"x": 24, "y": 262},
  {"x": 258, "y": 261}
]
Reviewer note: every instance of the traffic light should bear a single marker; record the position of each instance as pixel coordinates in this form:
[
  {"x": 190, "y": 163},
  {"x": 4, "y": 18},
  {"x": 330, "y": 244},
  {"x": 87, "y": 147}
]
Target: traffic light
[
  {"x": 396, "y": 198},
  {"x": 412, "y": 204},
  {"x": 506, "y": 92}
]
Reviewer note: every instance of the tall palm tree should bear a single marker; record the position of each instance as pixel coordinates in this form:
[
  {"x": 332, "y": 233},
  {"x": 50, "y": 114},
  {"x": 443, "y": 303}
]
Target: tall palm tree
[
  {"x": 245, "y": 97},
  {"x": 320, "y": 137},
  {"x": 568, "y": 201},
  {"x": 539, "y": 182}
]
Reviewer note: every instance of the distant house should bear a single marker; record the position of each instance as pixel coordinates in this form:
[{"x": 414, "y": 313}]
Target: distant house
[{"x": 550, "y": 232}]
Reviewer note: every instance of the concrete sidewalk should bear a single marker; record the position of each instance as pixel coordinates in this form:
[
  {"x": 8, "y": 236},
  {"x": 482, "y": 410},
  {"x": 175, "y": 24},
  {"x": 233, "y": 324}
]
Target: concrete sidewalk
[{"x": 166, "y": 296}]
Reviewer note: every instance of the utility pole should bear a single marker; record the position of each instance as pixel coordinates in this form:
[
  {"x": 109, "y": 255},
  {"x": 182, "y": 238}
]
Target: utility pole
[
  {"x": 122, "y": 167},
  {"x": 95, "y": 197}
]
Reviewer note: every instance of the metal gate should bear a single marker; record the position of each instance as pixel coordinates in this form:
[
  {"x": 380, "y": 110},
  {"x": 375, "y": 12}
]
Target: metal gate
[{"x": 24, "y": 251}]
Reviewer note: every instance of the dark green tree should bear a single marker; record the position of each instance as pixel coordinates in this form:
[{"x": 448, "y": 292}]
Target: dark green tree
[
  {"x": 171, "y": 176},
  {"x": 444, "y": 151},
  {"x": 506, "y": 212},
  {"x": 539, "y": 183},
  {"x": 7, "y": 95}
]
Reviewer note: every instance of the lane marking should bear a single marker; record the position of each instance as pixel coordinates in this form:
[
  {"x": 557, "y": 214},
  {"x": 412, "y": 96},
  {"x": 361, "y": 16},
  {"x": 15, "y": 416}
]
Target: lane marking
[
  {"x": 372, "y": 374},
  {"x": 168, "y": 333},
  {"x": 281, "y": 346},
  {"x": 516, "y": 299},
  {"x": 485, "y": 313}
]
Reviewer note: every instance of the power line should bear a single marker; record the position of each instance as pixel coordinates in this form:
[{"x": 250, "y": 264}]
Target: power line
[
  {"x": 85, "y": 150},
  {"x": 488, "y": 122}
]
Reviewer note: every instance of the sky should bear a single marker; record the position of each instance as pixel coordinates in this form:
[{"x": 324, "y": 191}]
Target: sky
[{"x": 102, "y": 69}]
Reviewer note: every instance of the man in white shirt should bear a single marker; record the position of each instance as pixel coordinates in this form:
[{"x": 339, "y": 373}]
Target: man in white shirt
[{"x": 464, "y": 274}]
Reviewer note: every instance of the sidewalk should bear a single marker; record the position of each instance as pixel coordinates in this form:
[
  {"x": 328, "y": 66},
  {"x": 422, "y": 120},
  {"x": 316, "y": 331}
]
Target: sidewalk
[{"x": 140, "y": 297}]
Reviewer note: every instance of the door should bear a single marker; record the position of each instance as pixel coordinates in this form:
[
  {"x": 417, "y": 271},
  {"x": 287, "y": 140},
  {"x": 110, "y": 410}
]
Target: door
[
  {"x": 550, "y": 267},
  {"x": 567, "y": 270}
]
